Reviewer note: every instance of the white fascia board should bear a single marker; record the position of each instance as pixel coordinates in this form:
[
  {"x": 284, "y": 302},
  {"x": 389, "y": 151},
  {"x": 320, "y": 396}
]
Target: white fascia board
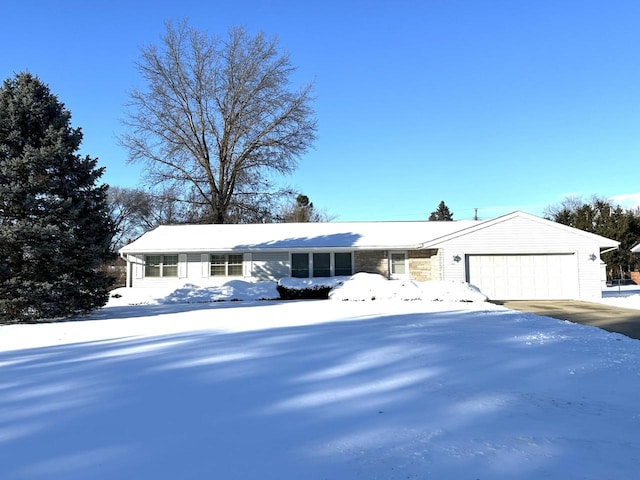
[{"x": 248, "y": 248}]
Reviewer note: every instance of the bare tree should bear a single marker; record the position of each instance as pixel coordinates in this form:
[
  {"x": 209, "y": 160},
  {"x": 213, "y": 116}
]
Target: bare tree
[
  {"x": 218, "y": 118},
  {"x": 559, "y": 212},
  {"x": 129, "y": 209}
]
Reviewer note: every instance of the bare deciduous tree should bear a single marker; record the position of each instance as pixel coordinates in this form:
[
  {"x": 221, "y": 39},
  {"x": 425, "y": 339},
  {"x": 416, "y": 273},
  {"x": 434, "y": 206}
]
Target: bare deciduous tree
[
  {"x": 218, "y": 118},
  {"x": 129, "y": 209}
]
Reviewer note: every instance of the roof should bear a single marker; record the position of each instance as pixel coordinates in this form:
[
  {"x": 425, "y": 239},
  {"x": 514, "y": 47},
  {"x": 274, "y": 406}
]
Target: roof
[
  {"x": 291, "y": 236},
  {"x": 329, "y": 235},
  {"x": 601, "y": 241}
]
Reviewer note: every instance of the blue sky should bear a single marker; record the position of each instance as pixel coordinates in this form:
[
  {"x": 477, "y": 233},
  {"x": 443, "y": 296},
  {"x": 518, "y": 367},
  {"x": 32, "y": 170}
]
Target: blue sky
[{"x": 494, "y": 105}]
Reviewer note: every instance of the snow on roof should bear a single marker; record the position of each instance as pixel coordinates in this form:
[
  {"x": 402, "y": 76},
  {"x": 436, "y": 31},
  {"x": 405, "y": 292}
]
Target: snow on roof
[
  {"x": 291, "y": 236},
  {"x": 330, "y": 235},
  {"x": 603, "y": 242}
]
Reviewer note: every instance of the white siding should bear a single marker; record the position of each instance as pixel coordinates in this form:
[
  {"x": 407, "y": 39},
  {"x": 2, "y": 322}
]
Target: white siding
[
  {"x": 205, "y": 271},
  {"x": 182, "y": 265},
  {"x": 270, "y": 266},
  {"x": 520, "y": 236},
  {"x": 247, "y": 265},
  {"x": 138, "y": 266},
  {"x": 195, "y": 268}
]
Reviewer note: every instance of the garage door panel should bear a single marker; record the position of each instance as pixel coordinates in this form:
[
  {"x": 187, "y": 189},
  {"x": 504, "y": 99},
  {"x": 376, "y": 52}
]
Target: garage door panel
[{"x": 524, "y": 277}]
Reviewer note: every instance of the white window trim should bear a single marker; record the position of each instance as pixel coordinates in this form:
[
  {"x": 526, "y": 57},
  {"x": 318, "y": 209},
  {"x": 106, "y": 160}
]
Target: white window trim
[
  {"x": 161, "y": 265},
  {"x": 226, "y": 264},
  {"x": 394, "y": 275}
]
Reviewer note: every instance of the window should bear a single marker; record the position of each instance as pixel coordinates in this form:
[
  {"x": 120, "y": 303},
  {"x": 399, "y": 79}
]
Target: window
[
  {"x": 161, "y": 265},
  {"x": 321, "y": 264},
  {"x": 234, "y": 265},
  {"x": 343, "y": 264},
  {"x": 300, "y": 265},
  {"x": 218, "y": 265},
  {"x": 223, "y": 265},
  {"x": 398, "y": 266}
]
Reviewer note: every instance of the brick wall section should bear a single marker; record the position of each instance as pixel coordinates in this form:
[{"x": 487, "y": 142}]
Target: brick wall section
[
  {"x": 424, "y": 265},
  {"x": 371, "y": 261},
  {"x": 635, "y": 277}
]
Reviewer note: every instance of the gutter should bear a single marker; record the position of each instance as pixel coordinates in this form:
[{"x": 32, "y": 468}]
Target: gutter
[{"x": 278, "y": 249}]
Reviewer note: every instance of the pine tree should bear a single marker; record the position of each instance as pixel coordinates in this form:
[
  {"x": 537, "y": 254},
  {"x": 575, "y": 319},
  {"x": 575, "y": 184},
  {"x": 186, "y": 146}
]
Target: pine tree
[
  {"x": 302, "y": 211},
  {"x": 602, "y": 217},
  {"x": 55, "y": 228},
  {"x": 442, "y": 213}
]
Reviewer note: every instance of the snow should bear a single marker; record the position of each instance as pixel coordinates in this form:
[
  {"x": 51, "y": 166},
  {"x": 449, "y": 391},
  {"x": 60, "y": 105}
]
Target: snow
[
  {"x": 625, "y": 296},
  {"x": 311, "y": 283},
  {"x": 234, "y": 290},
  {"x": 181, "y": 385},
  {"x": 368, "y": 286},
  {"x": 279, "y": 236}
]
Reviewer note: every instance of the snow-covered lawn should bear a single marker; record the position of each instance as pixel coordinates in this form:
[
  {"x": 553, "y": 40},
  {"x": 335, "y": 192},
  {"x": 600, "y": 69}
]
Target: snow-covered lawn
[
  {"x": 172, "y": 388},
  {"x": 625, "y": 296}
]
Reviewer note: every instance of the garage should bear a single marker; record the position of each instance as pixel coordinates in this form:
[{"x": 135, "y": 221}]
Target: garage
[{"x": 524, "y": 277}]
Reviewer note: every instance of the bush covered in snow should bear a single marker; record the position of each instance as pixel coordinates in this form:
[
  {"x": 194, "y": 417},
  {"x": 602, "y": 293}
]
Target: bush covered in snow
[
  {"x": 451, "y": 291},
  {"x": 306, "y": 288},
  {"x": 369, "y": 286},
  {"x": 359, "y": 287}
]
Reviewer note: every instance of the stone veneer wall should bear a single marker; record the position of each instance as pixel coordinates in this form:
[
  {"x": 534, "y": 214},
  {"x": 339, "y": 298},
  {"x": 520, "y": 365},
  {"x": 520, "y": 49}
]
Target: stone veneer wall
[
  {"x": 371, "y": 261},
  {"x": 424, "y": 265}
]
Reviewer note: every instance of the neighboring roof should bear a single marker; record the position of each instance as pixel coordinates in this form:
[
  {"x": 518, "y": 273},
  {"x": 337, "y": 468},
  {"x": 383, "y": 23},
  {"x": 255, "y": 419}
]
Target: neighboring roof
[
  {"x": 329, "y": 235},
  {"x": 603, "y": 242},
  {"x": 291, "y": 236},
  {"x": 636, "y": 249}
]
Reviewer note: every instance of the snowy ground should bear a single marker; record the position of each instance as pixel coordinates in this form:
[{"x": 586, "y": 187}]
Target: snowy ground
[
  {"x": 174, "y": 388},
  {"x": 626, "y": 296}
]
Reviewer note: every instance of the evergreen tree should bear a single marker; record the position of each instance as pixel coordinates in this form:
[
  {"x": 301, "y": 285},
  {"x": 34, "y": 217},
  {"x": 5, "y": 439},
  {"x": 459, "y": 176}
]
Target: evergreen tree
[
  {"x": 301, "y": 211},
  {"x": 601, "y": 217},
  {"x": 54, "y": 219},
  {"x": 442, "y": 213}
]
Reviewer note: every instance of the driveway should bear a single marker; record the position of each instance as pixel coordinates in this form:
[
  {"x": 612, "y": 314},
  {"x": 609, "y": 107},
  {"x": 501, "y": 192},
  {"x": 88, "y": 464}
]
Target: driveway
[{"x": 612, "y": 319}]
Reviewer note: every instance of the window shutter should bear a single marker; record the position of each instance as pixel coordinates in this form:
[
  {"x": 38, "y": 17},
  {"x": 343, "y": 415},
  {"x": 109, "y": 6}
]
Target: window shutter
[
  {"x": 182, "y": 265},
  {"x": 204, "y": 263},
  {"x": 247, "y": 266}
]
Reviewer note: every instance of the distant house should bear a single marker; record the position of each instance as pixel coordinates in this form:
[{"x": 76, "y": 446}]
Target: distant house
[{"x": 515, "y": 256}]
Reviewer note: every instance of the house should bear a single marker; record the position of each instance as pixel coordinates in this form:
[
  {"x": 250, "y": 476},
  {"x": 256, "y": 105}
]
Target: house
[{"x": 515, "y": 256}]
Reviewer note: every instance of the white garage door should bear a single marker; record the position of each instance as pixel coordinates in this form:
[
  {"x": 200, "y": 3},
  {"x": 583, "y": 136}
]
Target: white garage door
[{"x": 524, "y": 277}]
